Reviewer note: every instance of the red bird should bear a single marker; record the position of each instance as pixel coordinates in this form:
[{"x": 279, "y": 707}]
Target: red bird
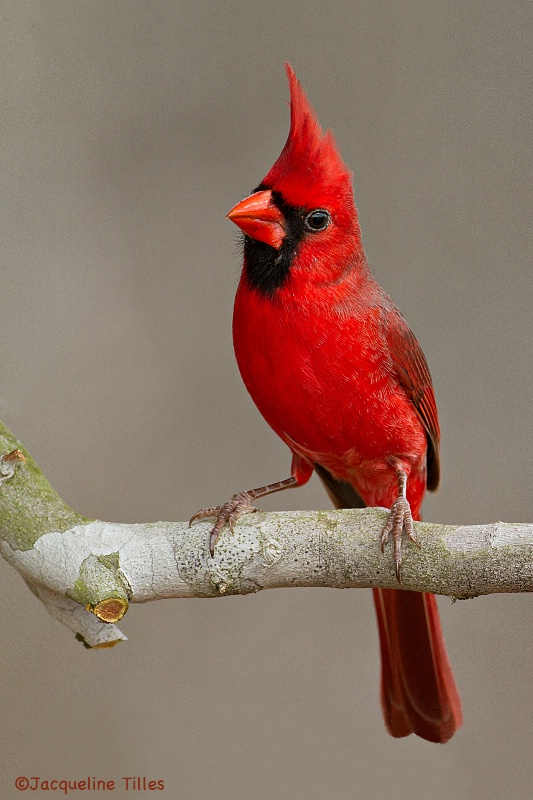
[{"x": 335, "y": 370}]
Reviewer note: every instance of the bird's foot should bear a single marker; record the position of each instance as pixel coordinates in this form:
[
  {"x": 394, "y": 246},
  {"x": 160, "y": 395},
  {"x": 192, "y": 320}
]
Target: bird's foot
[
  {"x": 399, "y": 520},
  {"x": 227, "y": 514},
  {"x": 240, "y": 504}
]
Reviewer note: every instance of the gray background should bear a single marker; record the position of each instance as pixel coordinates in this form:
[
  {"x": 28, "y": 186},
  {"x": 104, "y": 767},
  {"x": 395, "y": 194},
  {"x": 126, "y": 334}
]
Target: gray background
[{"x": 128, "y": 131}]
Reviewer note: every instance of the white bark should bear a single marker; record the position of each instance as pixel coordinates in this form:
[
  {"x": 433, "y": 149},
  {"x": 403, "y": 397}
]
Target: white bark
[
  {"x": 88, "y": 572},
  {"x": 98, "y": 561}
]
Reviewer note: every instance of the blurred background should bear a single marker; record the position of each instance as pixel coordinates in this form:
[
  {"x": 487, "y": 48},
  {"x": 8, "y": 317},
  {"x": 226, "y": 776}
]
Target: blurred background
[{"x": 128, "y": 131}]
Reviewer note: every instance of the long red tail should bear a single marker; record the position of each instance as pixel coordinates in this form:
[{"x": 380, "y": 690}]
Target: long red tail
[{"x": 418, "y": 691}]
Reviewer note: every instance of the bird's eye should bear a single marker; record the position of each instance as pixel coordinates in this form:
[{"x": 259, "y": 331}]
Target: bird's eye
[{"x": 317, "y": 220}]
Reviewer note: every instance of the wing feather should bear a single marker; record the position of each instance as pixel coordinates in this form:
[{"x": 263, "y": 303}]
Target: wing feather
[{"x": 413, "y": 373}]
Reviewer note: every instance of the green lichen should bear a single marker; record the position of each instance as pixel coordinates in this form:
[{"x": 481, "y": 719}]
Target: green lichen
[
  {"x": 111, "y": 561},
  {"x": 81, "y": 593},
  {"x": 30, "y": 505}
]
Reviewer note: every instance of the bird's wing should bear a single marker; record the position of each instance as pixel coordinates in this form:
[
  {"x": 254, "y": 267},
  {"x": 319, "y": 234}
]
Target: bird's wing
[{"x": 413, "y": 374}]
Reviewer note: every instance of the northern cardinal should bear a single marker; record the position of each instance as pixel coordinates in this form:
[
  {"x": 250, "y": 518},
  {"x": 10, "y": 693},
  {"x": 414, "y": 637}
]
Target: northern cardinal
[{"x": 336, "y": 372}]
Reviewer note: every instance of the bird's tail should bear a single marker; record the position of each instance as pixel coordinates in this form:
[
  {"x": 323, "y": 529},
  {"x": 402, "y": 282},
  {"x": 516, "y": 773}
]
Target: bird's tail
[{"x": 418, "y": 690}]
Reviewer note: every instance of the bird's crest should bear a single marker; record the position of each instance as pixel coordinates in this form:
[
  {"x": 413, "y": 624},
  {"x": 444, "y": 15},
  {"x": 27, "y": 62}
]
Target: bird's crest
[{"x": 310, "y": 166}]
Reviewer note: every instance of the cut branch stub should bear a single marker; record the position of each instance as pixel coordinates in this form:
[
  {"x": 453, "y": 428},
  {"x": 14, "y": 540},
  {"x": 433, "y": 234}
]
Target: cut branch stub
[
  {"x": 102, "y": 588},
  {"x": 112, "y": 609}
]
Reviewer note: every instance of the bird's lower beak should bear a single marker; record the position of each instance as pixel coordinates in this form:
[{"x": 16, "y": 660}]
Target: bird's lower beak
[{"x": 258, "y": 217}]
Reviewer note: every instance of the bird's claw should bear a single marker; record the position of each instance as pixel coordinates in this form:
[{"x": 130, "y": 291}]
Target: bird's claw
[
  {"x": 227, "y": 514},
  {"x": 399, "y": 520}
]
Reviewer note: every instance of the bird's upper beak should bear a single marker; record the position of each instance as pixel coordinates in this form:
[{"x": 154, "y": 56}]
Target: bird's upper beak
[{"x": 258, "y": 217}]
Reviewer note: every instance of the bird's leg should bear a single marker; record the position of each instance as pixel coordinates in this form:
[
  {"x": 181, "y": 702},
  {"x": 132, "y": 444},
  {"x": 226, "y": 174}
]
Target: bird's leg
[
  {"x": 399, "y": 520},
  {"x": 240, "y": 503}
]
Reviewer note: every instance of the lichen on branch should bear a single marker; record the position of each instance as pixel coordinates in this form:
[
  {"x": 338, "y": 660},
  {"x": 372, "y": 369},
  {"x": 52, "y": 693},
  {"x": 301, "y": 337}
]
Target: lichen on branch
[{"x": 88, "y": 572}]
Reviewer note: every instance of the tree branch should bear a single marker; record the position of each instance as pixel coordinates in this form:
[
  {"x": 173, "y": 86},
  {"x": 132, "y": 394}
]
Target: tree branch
[{"x": 87, "y": 572}]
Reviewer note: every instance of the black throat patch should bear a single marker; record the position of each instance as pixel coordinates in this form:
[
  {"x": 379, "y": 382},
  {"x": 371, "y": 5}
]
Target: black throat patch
[{"x": 266, "y": 268}]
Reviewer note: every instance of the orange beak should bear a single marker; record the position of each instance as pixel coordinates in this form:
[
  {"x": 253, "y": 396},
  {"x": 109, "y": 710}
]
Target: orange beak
[{"x": 259, "y": 218}]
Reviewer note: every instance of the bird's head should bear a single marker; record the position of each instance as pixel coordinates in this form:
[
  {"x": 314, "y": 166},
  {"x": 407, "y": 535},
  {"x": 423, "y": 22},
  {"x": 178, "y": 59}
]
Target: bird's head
[{"x": 302, "y": 215}]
